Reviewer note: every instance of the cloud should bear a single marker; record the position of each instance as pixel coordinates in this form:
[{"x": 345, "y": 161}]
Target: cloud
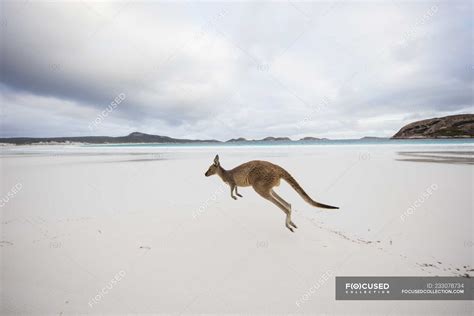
[{"x": 221, "y": 70}]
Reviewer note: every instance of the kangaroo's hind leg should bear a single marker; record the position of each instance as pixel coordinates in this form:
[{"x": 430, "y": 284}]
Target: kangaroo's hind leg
[
  {"x": 232, "y": 187},
  {"x": 236, "y": 192},
  {"x": 266, "y": 193},
  {"x": 286, "y": 204}
]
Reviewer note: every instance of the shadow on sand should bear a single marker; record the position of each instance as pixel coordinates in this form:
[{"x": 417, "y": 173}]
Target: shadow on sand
[{"x": 449, "y": 157}]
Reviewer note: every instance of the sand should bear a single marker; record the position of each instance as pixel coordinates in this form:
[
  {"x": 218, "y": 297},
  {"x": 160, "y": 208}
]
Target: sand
[{"x": 141, "y": 230}]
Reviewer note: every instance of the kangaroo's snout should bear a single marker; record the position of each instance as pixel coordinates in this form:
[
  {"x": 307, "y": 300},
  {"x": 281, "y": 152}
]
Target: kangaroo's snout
[{"x": 213, "y": 168}]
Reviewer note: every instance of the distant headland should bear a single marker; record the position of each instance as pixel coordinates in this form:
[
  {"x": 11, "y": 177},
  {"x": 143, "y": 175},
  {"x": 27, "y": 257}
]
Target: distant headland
[{"x": 454, "y": 126}]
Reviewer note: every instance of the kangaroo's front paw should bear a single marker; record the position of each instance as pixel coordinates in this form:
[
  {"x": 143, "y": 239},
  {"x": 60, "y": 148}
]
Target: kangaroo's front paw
[
  {"x": 234, "y": 198},
  {"x": 289, "y": 227},
  {"x": 239, "y": 195}
]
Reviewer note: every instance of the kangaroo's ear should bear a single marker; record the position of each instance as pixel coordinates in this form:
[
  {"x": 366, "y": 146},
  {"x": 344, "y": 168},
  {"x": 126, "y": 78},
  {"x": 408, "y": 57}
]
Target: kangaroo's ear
[{"x": 216, "y": 160}]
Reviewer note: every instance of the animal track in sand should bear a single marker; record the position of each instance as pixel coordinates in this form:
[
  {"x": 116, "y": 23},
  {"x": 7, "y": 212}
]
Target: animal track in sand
[
  {"x": 465, "y": 271},
  {"x": 354, "y": 240}
]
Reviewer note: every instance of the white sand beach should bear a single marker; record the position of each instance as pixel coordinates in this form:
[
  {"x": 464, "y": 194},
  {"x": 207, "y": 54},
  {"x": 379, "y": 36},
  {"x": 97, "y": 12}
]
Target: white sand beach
[{"x": 146, "y": 225}]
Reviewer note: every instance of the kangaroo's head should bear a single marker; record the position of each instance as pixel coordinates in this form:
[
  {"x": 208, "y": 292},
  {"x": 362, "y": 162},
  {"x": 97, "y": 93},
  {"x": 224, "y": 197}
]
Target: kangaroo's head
[{"x": 213, "y": 168}]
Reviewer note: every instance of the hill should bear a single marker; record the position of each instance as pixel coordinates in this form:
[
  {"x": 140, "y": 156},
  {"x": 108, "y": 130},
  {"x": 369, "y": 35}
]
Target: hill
[
  {"x": 453, "y": 126},
  {"x": 134, "y": 137}
]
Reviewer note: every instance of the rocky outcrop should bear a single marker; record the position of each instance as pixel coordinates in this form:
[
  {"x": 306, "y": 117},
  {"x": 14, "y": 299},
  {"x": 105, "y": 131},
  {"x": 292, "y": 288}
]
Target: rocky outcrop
[
  {"x": 309, "y": 138},
  {"x": 276, "y": 139},
  {"x": 453, "y": 126},
  {"x": 240, "y": 139}
]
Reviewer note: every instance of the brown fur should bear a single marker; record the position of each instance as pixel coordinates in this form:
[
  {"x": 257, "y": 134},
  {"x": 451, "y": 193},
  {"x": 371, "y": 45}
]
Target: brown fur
[{"x": 262, "y": 176}]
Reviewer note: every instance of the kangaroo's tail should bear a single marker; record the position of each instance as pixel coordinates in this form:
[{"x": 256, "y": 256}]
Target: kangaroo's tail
[{"x": 291, "y": 181}]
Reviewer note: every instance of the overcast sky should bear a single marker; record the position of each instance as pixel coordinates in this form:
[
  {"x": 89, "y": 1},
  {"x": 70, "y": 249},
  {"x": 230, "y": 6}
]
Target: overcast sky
[{"x": 224, "y": 70}]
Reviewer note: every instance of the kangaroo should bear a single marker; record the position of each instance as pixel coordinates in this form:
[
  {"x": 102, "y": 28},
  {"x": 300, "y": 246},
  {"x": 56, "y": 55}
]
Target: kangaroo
[{"x": 262, "y": 176}]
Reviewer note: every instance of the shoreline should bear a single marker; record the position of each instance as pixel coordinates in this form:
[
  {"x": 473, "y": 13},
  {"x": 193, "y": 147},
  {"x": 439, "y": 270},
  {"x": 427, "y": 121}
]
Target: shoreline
[{"x": 328, "y": 143}]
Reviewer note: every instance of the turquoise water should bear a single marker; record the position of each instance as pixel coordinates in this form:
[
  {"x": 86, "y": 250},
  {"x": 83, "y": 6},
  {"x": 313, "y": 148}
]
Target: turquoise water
[{"x": 464, "y": 141}]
